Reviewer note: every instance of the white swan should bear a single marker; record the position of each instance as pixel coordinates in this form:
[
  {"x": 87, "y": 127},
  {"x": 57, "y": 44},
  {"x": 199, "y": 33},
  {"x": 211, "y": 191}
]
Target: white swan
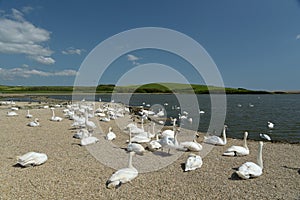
[
  {"x": 12, "y": 114},
  {"x": 34, "y": 123},
  {"x": 192, "y": 145},
  {"x": 137, "y": 148},
  {"x": 89, "y": 124},
  {"x": 238, "y": 150},
  {"x": 82, "y": 133},
  {"x": 32, "y": 158},
  {"x": 250, "y": 169},
  {"x": 171, "y": 143},
  {"x": 55, "y": 118},
  {"x": 28, "y": 114},
  {"x": 88, "y": 140},
  {"x": 193, "y": 162},
  {"x": 123, "y": 175},
  {"x": 215, "y": 140},
  {"x": 265, "y": 136},
  {"x": 154, "y": 145},
  {"x": 110, "y": 135},
  {"x": 270, "y": 125}
]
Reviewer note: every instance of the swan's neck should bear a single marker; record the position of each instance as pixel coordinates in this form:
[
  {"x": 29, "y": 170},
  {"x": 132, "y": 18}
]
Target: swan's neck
[
  {"x": 53, "y": 115},
  {"x": 130, "y": 160},
  {"x": 156, "y": 135},
  {"x": 142, "y": 124},
  {"x": 129, "y": 135},
  {"x": 259, "y": 156},
  {"x": 224, "y": 135},
  {"x": 245, "y": 142}
]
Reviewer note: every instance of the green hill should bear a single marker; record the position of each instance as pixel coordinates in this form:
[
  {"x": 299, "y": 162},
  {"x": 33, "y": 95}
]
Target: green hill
[{"x": 147, "y": 88}]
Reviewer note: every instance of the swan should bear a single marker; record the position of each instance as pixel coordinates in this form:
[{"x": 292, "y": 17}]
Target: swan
[
  {"x": 137, "y": 148},
  {"x": 215, "y": 140},
  {"x": 193, "y": 162},
  {"x": 270, "y": 125},
  {"x": 250, "y": 169},
  {"x": 265, "y": 136},
  {"x": 34, "y": 123},
  {"x": 55, "y": 118},
  {"x": 193, "y": 145},
  {"x": 123, "y": 175},
  {"x": 32, "y": 158},
  {"x": 170, "y": 133},
  {"x": 88, "y": 139},
  {"x": 12, "y": 114},
  {"x": 89, "y": 124},
  {"x": 171, "y": 143},
  {"x": 82, "y": 133},
  {"x": 110, "y": 135},
  {"x": 28, "y": 114},
  {"x": 14, "y": 108},
  {"x": 154, "y": 145},
  {"x": 238, "y": 150}
]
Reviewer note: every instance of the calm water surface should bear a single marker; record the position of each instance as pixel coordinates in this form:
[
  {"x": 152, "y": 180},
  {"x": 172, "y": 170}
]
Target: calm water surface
[{"x": 244, "y": 112}]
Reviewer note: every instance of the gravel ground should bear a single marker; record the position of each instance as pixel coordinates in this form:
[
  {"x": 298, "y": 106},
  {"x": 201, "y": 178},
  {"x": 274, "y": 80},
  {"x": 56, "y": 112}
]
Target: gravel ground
[{"x": 72, "y": 172}]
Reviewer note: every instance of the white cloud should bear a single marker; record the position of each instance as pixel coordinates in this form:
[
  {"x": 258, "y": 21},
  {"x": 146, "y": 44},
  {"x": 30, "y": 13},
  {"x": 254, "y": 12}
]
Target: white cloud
[
  {"x": 298, "y": 37},
  {"x": 43, "y": 59},
  {"x": 72, "y": 51},
  {"x": 133, "y": 59},
  {"x": 18, "y": 36},
  {"x": 11, "y": 74}
]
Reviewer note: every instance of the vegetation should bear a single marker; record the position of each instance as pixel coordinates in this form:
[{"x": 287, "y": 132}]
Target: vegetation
[{"x": 147, "y": 88}]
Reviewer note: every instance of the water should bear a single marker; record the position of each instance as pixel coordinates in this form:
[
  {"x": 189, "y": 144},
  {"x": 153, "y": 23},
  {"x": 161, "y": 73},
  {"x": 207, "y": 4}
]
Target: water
[{"x": 244, "y": 112}]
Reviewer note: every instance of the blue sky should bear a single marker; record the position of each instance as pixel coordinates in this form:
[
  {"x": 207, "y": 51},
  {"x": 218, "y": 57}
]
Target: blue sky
[{"x": 255, "y": 44}]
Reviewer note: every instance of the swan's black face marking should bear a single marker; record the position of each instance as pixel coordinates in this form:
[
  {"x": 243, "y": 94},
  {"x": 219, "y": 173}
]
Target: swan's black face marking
[{"x": 161, "y": 41}]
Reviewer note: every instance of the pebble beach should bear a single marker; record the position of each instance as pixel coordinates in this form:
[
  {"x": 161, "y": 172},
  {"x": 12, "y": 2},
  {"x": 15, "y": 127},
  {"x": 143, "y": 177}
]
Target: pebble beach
[{"x": 72, "y": 172}]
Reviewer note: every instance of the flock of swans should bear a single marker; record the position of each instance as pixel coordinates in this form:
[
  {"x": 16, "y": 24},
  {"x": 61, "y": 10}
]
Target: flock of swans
[{"x": 139, "y": 141}]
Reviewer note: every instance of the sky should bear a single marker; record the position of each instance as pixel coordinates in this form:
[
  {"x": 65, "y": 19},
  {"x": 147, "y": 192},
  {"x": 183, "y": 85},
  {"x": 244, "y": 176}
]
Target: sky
[{"x": 254, "y": 44}]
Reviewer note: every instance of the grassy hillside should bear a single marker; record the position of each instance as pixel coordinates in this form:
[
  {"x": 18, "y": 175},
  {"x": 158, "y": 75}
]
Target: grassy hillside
[{"x": 147, "y": 88}]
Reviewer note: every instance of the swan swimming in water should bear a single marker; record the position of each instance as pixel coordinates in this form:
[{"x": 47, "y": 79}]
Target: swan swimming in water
[
  {"x": 32, "y": 159},
  {"x": 110, "y": 135},
  {"x": 193, "y": 162},
  {"x": 265, "y": 136},
  {"x": 270, "y": 125},
  {"x": 123, "y": 175},
  {"x": 34, "y": 123},
  {"x": 238, "y": 150},
  {"x": 215, "y": 140},
  {"x": 250, "y": 169}
]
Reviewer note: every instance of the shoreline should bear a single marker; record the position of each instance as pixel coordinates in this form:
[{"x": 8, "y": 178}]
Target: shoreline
[{"x": 72, "y": 172}]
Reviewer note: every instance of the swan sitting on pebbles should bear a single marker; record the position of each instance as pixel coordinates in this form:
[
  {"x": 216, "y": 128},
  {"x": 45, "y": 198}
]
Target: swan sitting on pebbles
[
  {"x": 193, "y": 162},
  {"x": 123, "y": 175},
  {"x": 32, "y": 159}
]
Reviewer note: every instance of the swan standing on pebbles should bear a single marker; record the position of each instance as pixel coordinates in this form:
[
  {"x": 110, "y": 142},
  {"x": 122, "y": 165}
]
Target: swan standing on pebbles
[
  {"x": 32, "y": 159},
  {"x": 34, "y": 123},
  {"x": 250, "y": 169},
  {"x": 238, "y": 150},
  {"x": 110, "y": 135},
  {"x": 215, "y": 140},
  {"x": 123, "y": 175},
  {"x": 193, "y": 162},
  {"x": 55, "y": 118}
]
